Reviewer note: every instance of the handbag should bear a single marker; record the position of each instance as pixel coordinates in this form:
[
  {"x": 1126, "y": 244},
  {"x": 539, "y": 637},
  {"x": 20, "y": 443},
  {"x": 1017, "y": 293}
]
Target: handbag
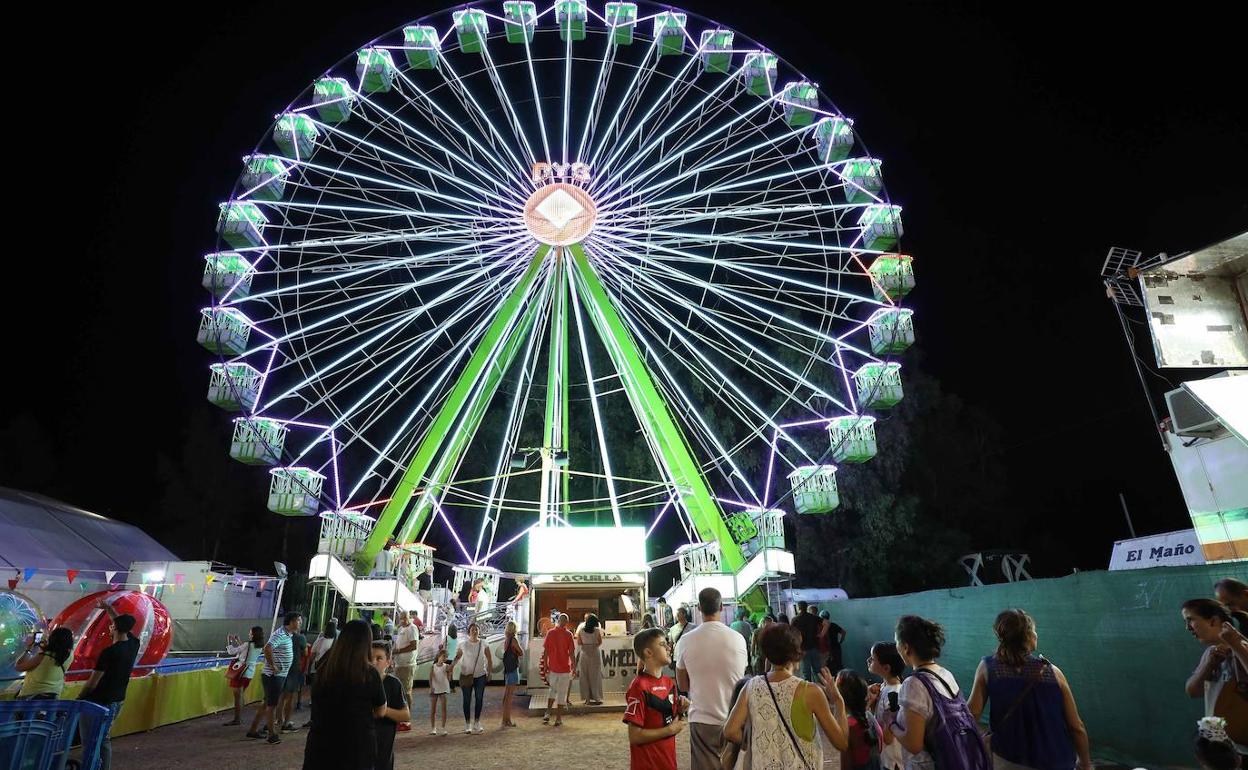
[
  {"x": 466, "y": 677},
  {"x": 780, "y": 713},
  {"x": 238, "y": 667}
]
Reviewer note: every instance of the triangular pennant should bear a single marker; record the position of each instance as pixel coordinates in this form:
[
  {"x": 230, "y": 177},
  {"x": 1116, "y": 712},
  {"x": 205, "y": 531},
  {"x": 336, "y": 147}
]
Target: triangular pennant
[
  {"x": 71, "y": 574},
  {"x": 262, "y": 584},
  {"x": 12, "y": 583},
  {"x": 84, "y": 585},
  {"x": 29, "y": 573},
  {"x": 109, "y": 575},
  {"x": 178, "y": 578},
  {"x": 208, "y": 579}
]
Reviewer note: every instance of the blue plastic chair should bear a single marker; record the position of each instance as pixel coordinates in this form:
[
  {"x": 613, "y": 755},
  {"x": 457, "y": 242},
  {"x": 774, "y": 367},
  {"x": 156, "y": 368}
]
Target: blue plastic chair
[
  {"x": 27, "y": 743},
  {"x": 38, "y": 734}
]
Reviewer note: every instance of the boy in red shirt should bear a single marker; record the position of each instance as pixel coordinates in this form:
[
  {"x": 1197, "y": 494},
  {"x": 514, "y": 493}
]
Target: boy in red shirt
[{"x": 653, "y": 707}]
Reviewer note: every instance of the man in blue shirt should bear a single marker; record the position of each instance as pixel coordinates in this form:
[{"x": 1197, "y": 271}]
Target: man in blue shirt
[{"x": 278, "y": 655}]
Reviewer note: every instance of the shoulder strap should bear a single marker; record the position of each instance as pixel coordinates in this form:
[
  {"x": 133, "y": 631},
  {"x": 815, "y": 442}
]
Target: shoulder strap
[
  {"x": 780, "y": 712},
  {"x": 938, "y": 678}
]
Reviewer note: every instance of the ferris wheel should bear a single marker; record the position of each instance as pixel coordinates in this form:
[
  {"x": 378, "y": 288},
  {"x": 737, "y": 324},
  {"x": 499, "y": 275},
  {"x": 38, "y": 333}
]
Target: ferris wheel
[{"x": 464, "y": 254}]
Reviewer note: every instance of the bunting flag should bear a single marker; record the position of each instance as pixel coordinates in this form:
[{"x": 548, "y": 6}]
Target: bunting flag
[
  {"x": 29, "y": 573},
  {"x": 262, "y": 584},
  {"x": 84, "y": 585},
  {"x": 12, "y": 583},
  {"x": 142, "y": 588},
  {"x": 177, "y": 580},
  {"x": 71, "y": 574},
  {"x": 208, "y": 580},
  {"x": 242, "y": 585},
  {"x": 109, "y": 575}
]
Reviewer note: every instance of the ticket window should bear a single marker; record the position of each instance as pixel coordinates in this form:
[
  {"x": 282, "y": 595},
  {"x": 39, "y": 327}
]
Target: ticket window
[{"x": 606, "y": 603}]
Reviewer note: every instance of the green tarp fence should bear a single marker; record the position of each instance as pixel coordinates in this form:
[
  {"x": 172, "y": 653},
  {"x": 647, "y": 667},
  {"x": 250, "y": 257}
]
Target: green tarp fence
[{"x": 1118, "y": 637}]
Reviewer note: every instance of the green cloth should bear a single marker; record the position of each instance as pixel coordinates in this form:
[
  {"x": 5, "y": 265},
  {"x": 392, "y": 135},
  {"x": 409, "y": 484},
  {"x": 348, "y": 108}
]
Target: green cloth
[
  {"x": 801, "y": 716},
  {"x": 45, "y": 677}
]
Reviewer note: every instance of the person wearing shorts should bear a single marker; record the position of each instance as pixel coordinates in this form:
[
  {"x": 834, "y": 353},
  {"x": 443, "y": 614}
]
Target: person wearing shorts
[
  {"x": 557, "y": 653},
  {"x": 277, "y": 659}
]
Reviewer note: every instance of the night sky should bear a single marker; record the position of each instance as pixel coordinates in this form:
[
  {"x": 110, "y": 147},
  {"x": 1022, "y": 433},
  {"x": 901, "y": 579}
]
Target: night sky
[{"x": 1022, "y": 148}]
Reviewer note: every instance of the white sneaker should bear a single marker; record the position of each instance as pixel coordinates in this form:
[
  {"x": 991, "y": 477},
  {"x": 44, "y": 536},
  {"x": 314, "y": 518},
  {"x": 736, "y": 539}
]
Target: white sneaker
[
  {"x": 477, "y": 728},
  {"x": 443, "y": 732},
  {"x": 467, "y": 728},
  {"x": 433, "y": 731}
]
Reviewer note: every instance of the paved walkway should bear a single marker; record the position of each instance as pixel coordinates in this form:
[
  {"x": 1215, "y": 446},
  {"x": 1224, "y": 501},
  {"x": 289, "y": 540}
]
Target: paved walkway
[{"x": 598, "y": 741}]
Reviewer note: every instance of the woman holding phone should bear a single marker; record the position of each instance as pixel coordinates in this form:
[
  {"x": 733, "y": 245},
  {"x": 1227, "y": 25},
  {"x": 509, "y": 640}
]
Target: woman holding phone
[{"x": 44, "y": 665}]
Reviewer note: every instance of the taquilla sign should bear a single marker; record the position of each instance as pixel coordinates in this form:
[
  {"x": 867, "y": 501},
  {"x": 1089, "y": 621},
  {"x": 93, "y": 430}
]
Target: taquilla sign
[{"x": 1173, "y": 549}]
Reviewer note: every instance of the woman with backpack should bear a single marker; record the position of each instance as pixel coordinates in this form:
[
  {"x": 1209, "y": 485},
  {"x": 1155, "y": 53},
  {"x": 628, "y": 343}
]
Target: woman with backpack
[
  {"x": 935, "y": 728},
  {"x": 781, "y": 710},
  {"x": 1035, "y": 723}
]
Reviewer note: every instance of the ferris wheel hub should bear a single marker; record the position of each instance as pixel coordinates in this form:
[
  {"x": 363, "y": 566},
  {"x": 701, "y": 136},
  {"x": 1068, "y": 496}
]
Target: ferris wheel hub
[{"x": 560, "y": 214}]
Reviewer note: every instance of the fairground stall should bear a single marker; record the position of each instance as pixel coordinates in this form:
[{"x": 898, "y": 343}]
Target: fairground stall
[{"x": 583, "y": 570}]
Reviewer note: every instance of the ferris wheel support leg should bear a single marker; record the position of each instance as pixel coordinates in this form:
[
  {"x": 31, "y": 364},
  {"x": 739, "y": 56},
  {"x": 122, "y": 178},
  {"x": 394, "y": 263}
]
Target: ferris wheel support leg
[
  {"x": 555, "y": 433},
  {"x": 459, "y": 416},
  {"x": 656, "y": 420}
]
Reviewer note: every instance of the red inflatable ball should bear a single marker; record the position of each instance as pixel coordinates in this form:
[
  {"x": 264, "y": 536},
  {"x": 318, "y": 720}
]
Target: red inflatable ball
[{"x": 92, "y": 636}]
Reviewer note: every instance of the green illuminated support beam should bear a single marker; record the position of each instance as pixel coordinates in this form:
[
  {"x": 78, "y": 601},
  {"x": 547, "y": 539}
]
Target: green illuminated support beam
[
  {"x": 459, "y": 416},
  {"x": 657, "y": 421},
  {"x": 555, "y": 432}
]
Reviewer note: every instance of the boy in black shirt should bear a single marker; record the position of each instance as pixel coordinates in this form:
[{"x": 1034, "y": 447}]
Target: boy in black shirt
[
  {"x": 108, "y": 682},
  {"x": 396, "y": 707}
]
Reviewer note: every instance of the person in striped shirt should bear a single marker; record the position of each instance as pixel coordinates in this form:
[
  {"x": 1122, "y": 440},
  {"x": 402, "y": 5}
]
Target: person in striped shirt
[{"x": 278, "y": 655}]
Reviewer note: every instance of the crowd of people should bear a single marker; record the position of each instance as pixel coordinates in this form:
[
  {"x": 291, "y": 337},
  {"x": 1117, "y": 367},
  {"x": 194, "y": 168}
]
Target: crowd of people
[{"x": 760, "y": 698}]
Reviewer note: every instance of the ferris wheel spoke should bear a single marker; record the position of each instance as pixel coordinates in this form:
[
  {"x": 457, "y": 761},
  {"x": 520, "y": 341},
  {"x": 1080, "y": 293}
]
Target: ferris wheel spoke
[
  {"x": 401, "y": 134},
  {"x": 663, "y": 101},
  {"x": 742, "y": 299},
  {"x": 443, "y": 174},
  {"x": 714, "y": 380},
  {"x": 724, "y": 129},
  {"x": 357, "y": 304},
  {"x": 384, "y": 380},
  {"x": 481, "y": 115},
  {"x": 765, "y": 272},
  {"x": 736, "y": 348},
  {"x": 324, "y": 369},
  {"x": 607, "y": 64},
  {"x": 537, "y": 98},
  {"x": 509, "y": 172},
  {"x": 632, "y": 89},
  {"x": 691, "y": 412},
  {"x": 504, "y": 99},
  {"x": 714, "y": 158}
]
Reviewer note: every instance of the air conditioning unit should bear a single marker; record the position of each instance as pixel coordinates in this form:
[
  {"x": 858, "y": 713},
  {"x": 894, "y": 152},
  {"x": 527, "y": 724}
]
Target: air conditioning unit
[{"x": 1189, "y": 418}]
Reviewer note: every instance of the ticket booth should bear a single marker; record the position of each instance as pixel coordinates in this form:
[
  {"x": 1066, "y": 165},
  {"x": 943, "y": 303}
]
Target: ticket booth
[{"x": 580, "y": 570}]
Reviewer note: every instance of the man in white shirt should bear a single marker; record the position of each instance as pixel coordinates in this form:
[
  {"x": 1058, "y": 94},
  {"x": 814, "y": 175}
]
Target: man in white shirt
[
  {"x": 406, "y": 640},
  {"x": 710, "y": 660}
]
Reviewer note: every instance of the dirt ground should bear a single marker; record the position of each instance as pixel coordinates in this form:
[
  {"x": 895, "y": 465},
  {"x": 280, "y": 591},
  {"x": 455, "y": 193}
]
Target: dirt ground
[{"x": 597, "y": 739}]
